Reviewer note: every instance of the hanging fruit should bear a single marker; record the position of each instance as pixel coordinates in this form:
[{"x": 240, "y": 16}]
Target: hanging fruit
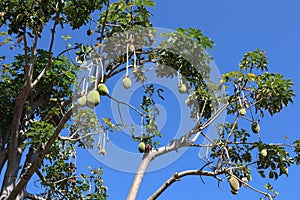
[
  {"x": 102, "y": 89},
  {"x": 82, "y": 101},
  {"x": 142, "y": 147},
  {"x": 264, "y": 152},
  {"x": 182, "y": 88},
  {"x": 126, "y": 82},
  {"x": 234, "y": 185},
  {"x": 93, "y": 99},
  {"x": 255, "y": 127},
  {"x": 242, "y": 112}
]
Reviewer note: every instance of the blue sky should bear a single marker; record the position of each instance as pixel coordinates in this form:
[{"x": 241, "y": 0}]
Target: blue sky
[{"x": 237, "y": 27}]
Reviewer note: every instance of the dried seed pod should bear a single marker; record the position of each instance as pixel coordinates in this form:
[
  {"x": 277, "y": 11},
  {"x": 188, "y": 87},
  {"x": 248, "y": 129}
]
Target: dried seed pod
[{"x": 234, "y": 185}]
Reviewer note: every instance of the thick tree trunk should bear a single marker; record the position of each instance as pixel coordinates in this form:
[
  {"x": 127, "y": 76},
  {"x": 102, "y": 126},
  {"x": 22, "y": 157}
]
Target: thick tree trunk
[
  {"x": 139, "y": 176},
  {"x": 10, "y": 177}
]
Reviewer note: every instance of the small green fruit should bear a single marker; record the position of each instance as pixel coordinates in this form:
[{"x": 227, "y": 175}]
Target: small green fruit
[
  {"x": 82, "y": 101},
  {"x": 255, "y": 127},
  {"x": 126, "y": 82},
  {"x": 234, "y": 185},
  {"x": 102, "y": 89},
  {"x": 242, "y": 111},
  {"x": 131, "y": 47},
  {"x": 182, "y": 88},
  {"x": 142, "y": 147},
  {"x": 93, "y": 98},
  {"x": 264, "y": 152}
]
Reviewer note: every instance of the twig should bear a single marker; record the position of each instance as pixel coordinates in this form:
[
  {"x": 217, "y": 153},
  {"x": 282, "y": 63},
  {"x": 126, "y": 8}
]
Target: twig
[{"x": 127, "y": 104}]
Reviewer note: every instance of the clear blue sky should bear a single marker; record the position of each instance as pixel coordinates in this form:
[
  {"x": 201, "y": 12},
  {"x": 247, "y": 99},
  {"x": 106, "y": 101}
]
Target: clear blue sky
[{"x": 237, "y": 27}]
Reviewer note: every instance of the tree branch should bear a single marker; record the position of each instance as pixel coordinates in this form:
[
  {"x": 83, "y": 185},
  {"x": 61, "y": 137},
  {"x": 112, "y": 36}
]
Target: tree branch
[
  {"x": 27, "y": 174},
  {"x": 41, "y": 75},
  {"x": 139, "y": 176},
  {"x": 177, "y": 176},
  {"x": 40, "y": 175},
  {"x": 173, "y": 146},
  {"x": 33, "y": 196}
]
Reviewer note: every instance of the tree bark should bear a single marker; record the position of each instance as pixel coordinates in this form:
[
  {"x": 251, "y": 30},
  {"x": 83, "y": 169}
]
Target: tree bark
[
  {"x": 139, "y": 176},
  {"x": 176, "y": 177},
  {"x": 28, "y": 172}
]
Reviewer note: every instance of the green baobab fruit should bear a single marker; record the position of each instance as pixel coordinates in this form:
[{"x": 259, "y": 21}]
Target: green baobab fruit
[
  {"x": 142, "y": 147},
  {"x": 182, "y": 88},
  {"x": 131, "y": 47},
  {"x": 242, "y": 111},
  {"x": 264, "y": 152},
  {"x": 102, "y": 89},
  {"x": 234, "y": 185},
  {"x": 82, "y": 101},
  {"x": 255, "y": 127},
  {"x": 126, "y": 82},
  {"x": 93, "y": 98}
]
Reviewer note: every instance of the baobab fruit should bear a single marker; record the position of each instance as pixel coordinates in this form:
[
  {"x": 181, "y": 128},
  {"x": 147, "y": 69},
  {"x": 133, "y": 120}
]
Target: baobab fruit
[
  {"x": 82, "y": 101},
  {"x": 89, "y": 32},
  {"x": 126, "y": 82},
  {"x": 242, "y": 111},
  {"x": 131, "y": 47},
  {"x": 234, "y": 192},
  {"x": 255, "y": 127},
  {"x": 182, "y": 88},
  {"x": 102, "y": 89},
  {"x": 142, "y": 147},
  {"x": 264, "y": 152},
  {"x": 234, "y": 185},
  {"x": 93, "y": 98}
]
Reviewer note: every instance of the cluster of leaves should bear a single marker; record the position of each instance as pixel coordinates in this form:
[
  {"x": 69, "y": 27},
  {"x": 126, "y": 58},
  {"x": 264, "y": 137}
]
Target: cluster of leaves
[
  {"x": 123, "y": 15},
  {"x": 63, "y": 181},
  {"x": 150, "y": 113},
  {"x": 184, "y": 51},
  {"x": 255, "y": 90},
  {"x": 31, "y": 14},
  {"x": 265, "y": 91}
]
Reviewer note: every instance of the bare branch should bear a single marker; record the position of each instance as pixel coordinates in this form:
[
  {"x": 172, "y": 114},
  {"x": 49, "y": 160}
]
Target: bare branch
[
  {"x": 127, "y": 104},
  {"x": 173, "y": 146},
  {"x": 42, "y": 73},
  {"x": 33, "y": 196},
  {"x": 177, "y": 176},
  {"x": 71, "y": 138},
  {"x": 254, "y": 189},
  {"x": 226, "y": 143}
]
